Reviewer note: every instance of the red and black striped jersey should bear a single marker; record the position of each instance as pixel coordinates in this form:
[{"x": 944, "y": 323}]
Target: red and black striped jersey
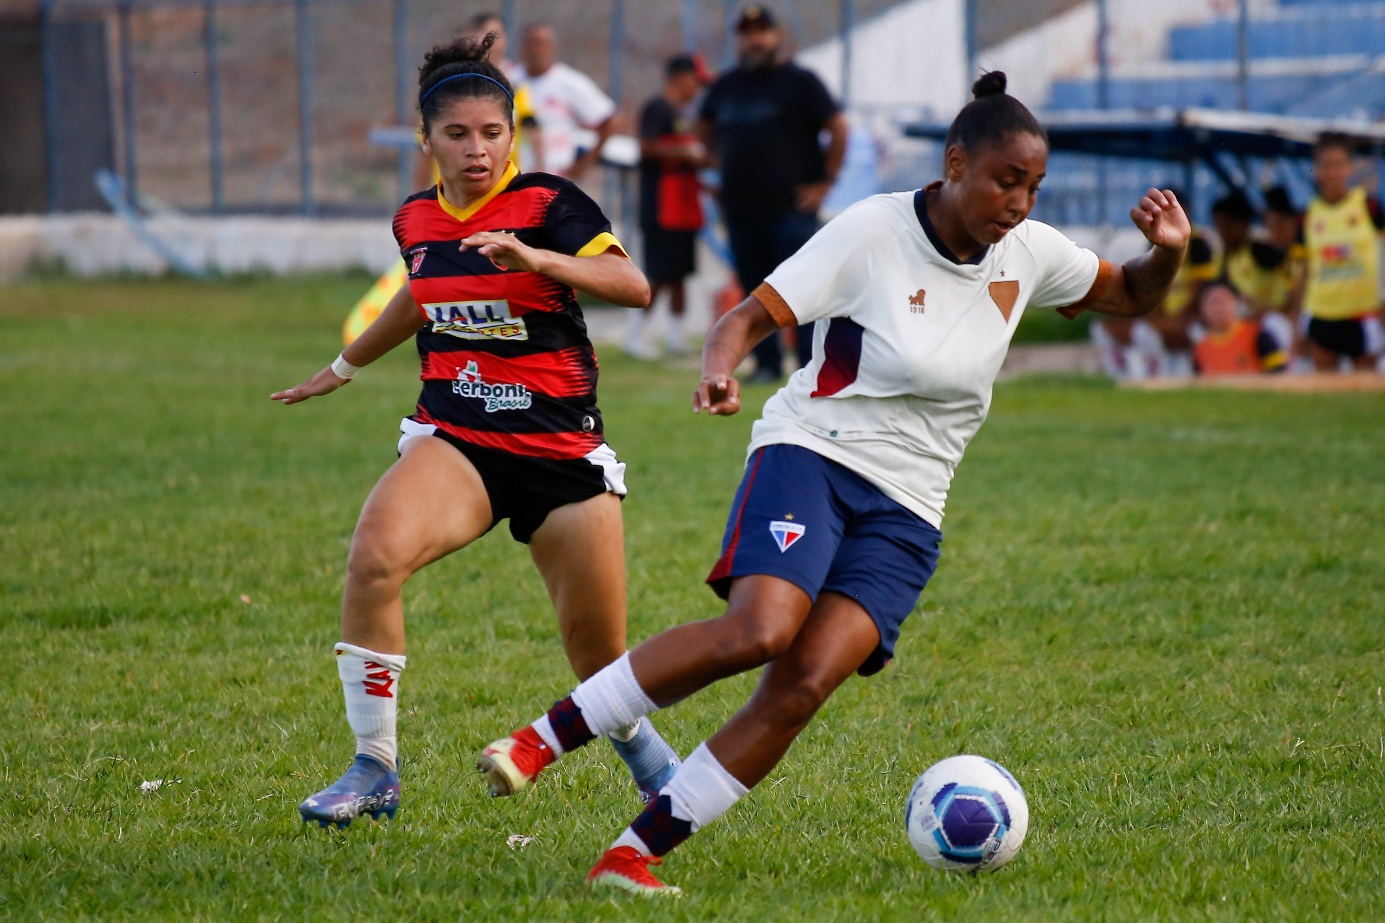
[{"x": 506, "y": 361}]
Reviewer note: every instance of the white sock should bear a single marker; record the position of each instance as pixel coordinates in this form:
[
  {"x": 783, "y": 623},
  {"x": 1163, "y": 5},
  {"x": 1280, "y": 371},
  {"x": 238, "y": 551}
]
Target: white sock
[
  {"x": 632, "y": 839},
  {"x": 675, "y": 332},
  {"x": 702, "y": 790},
  {"x": 634, "y": 328},
  {"x": 370, "y": 682},
  {"x": 612, "y": 699},
  {"x": 544, "y": 728}
]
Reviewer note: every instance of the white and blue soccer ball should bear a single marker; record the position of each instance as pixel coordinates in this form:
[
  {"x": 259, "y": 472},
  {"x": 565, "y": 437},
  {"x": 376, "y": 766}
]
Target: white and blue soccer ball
[{"x": 966, "y": 814}]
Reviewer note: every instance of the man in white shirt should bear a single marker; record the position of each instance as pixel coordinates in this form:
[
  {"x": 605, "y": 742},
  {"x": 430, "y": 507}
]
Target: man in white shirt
[{"x": 569, "y": 105}]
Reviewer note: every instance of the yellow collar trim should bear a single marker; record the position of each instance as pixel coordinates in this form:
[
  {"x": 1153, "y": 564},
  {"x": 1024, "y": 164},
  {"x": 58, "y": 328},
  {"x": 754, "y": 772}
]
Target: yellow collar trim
[{"x": 462, "y": 214}]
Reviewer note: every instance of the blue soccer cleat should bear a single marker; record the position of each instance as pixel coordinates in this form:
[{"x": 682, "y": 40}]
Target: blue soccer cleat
[
  {"x": 652, "y": 762},
  {"x": 368, "y": 787}
]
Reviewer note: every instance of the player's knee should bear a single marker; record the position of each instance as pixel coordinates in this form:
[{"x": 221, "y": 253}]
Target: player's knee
[
  {"x": 794, "y": 703},
  {"x": 373, "y": 561},
  {"x": 750, "y": 640}
]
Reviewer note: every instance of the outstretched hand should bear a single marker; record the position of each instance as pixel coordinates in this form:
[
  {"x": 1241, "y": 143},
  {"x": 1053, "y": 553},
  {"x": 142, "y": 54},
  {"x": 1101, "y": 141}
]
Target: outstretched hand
[
  {"x": 719, "y": 395},
  {"x": 324, "y": 382},
  {"x": 504, "y": 250},
  {"x": 1161, "y": 218}
]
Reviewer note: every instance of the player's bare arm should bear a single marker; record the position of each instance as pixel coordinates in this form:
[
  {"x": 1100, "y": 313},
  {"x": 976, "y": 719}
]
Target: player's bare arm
[
  {"x": 1140, "y": 285},
  {"x": 399, "y": 321},
  {"x": 728, "y": 342},
  {"x": 609, "y": 276}
]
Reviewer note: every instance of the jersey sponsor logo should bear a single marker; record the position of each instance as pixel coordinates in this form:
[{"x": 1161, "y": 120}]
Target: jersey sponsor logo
[
  {"x": 497, "y": 397},
  {"x": 916, "y": 302},
  {"x": 1338, "y": 262},
  {"x": 476, "y": 320},
  {"x": 786, "y": 533},
  {"x": 416, "y": 260},
  {"x": 378, "y": 681}
]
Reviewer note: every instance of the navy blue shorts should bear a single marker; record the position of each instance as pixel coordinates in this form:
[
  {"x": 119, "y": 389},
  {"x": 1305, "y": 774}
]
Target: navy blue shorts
[{"x": 817, "y": 524}]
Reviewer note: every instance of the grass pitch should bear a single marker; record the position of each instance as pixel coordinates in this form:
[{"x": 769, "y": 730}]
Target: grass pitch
[{"x": 1161, "y": 611}]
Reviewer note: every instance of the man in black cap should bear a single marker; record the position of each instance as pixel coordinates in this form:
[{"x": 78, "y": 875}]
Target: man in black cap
[
  {"x": 671, "y": 153},
  {"x": 762, "y": 121}
]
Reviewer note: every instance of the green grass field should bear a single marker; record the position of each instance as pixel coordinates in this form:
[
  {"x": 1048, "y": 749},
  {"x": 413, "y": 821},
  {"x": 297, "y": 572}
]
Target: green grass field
[{"x": 1162, "y": 611}]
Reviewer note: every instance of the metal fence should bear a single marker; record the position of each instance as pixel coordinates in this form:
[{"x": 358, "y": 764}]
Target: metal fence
[{"x": 226, "y": 106}]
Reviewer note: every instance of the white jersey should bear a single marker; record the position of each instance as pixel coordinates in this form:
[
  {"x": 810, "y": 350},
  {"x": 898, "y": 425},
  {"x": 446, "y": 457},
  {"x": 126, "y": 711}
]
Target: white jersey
[
  {"x": 566, "y": 103},
  {"x": 909, "y": 341}
]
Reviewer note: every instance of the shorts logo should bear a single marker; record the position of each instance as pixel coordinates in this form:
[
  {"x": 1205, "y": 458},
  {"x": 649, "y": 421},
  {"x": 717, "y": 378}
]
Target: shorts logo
[
  {"x": 476, "y": 320},
  {"x": 416, "y": 260},
  {"x": 497, "y": 397},
  {"x": 786, "y": 533}
]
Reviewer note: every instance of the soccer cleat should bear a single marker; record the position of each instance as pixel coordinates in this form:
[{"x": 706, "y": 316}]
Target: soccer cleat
[
  {"x": 511, "y": 763},
  {"x": 368, "y": 787},
  {"x": 625, "y": 868}
]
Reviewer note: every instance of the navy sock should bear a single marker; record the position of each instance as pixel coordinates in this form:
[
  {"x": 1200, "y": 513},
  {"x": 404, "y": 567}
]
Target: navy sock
[
  {"x": 659, "y": 829},
  {"x": 569, "y": 726}
]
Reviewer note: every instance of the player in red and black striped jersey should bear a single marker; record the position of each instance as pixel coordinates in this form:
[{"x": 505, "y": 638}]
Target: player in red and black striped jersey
[
  {"x": 506, "y": 360},
  {"x": 506, "y": 426}
]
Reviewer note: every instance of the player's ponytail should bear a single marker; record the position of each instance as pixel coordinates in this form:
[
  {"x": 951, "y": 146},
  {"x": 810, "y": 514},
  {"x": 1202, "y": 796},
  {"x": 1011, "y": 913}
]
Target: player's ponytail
[
  {"x": 459, "y": 70},
  {"x": 992, "y": 116}
]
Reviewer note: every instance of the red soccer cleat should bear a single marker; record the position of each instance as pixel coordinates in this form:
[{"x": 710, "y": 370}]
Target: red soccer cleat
[
  {"x": 511, "y": 763},
  {"x": 626, "y": 869}
]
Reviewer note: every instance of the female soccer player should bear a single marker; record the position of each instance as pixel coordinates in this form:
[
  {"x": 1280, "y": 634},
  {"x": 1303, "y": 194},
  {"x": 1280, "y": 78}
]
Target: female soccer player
[
  {"x": 834, "y": 530},
  {"x": 506, "y": 426}
]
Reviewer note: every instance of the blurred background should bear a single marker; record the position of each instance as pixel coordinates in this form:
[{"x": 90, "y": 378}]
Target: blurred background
[{"x": 303, "y": 108}]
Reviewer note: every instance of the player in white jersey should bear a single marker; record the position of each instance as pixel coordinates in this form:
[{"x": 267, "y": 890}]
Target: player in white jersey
[{"x": 834, "y": 530}]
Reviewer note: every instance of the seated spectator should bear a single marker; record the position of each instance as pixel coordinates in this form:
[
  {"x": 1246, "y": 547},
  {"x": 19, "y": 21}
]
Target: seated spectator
[
  {"x": 1158, "y": 344},
  {"x": 1231, "y": 344},
  {"x": 1256, "y": 268}
]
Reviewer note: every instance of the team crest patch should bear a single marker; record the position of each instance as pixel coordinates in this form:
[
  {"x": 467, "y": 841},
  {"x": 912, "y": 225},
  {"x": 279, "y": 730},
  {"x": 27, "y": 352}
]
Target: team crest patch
[
  {"x": 1005, "y": 294},
  {"x": 786, "y": 533},
  {"x": 416, "y": 260}
]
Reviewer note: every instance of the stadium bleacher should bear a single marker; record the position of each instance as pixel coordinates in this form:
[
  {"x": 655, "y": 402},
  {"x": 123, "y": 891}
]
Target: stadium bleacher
[{"x": 1308, "y": 58}]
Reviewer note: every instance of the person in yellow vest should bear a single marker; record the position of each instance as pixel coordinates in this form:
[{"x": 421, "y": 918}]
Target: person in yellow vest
[
  {"x": 1260, "y": 272},
  {"x": 1341, "y": 289},
  {"x": 528, "y": 138},
  {"x": 1232, "y": 344}
]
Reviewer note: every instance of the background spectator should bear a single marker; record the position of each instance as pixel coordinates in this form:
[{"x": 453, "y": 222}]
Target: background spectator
[
  {"x": 1232, "y": 344},
  {"x": 670, "y": 210},
  {"x": 566, "y": 101},
  {"x": 761, "y": 121},
  {"x": 1341, "y": 295}
]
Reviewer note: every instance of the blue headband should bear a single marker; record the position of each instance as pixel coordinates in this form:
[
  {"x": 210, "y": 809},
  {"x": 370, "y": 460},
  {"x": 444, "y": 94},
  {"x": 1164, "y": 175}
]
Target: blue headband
[{"x": 433, "y": 89}]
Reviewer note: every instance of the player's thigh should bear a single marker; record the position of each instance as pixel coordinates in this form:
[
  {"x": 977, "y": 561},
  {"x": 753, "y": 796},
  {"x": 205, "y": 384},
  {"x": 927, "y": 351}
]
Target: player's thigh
[
  {"x": 430, "y": 503},
  {"x": 580, "y": 553}
]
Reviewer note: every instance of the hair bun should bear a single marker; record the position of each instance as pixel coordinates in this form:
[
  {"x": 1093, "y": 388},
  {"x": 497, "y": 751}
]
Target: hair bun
[{"x": 991, "y": 83}]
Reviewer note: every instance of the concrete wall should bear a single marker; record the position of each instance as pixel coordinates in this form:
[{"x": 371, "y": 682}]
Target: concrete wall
[{"x": 96, "y": 244}]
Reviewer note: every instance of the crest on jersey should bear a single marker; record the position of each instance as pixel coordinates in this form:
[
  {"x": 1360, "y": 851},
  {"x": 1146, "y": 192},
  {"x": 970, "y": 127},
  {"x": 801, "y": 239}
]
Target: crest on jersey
[
  {"x": 786, "y": 533},
  {"x": 916, "y": 302}
]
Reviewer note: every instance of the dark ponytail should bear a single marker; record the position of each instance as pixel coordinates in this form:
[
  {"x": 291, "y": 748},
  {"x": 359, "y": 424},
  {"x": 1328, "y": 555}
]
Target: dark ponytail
[
  {"x": 991, "y": 117},
  {"x": 440, "y": 78}
]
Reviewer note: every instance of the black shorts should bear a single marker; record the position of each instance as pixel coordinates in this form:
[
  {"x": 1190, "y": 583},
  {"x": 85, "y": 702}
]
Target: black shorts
[
  {"x": 669, "y": 255},
  {"x": 1353, "y": 337},
  {"x": 525, "y": 489}
]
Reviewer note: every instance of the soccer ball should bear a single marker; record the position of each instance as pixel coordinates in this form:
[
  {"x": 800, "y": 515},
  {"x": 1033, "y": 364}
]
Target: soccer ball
[{"x": 966, "y": 814}]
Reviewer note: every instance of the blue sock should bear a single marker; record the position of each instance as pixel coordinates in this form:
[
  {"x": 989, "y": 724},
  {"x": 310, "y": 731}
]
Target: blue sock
[{"x": 651, "y": 760}]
